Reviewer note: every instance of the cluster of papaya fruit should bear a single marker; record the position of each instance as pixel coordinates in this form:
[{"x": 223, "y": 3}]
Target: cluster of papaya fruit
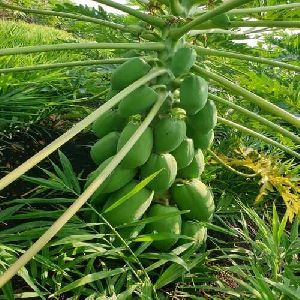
[{"x": 173, "y": 144}]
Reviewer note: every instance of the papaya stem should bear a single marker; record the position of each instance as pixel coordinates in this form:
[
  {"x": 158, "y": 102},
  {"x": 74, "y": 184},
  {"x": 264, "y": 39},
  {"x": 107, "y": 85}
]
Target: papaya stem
[
  {"x": 241, "y": 11},
  {"x": 259, "y": 136},
  {"x": 228, "y": 5},
  {"x": 257, "y": 117},
  {"x": 267, "y": 61},
  {"x": 278, "y": 24},
  {"x": 223, "y": 163},
  {"x": 261, "y": 102},
  {"x": 35, "y": 159},
  {"x": 64, "y": 65},
  {"x": 83, "y": 198},
  {"x": 155, "y": 21},
  {"x": 78, "y": 46},
  {"x": 121, "y": 27},
  {"x": 259, "y": 9}
]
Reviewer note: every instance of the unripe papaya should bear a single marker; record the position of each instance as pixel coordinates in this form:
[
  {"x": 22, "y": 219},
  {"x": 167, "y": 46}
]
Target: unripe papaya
[
  {"x": 193, "y": 94},
  {"x": 195, "y": 197},
  {"x": 141, "y": 150},
  {"x": 108, "y": 122},
  {"x": 130, "y": 210},
  {"x": 137, "y": 102},
  {"x": 165, "y": 226},
  {"x": 221, "y": 20},
  {"x": 195, "y": 231},
  {"x": 129, "y": 72},
  {"x": 195, "y": 168},
  {"x": 182, "y": 61},
  {"x": 105, "y": 147},
  {"x": 118, "y": 178},
  {"x": 204, "y": 120},
  {"x": 111, "y": 94},
  {"x": 168, "y": 134},
  {"x": 184, "y": 153},
  {"x": 168, "y": 166},
  {"x": 201, "y": 141}
]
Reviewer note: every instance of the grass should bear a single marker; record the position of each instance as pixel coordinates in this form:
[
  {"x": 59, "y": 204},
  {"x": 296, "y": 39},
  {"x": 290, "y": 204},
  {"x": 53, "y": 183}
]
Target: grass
[{"x": 38, "y": 94}]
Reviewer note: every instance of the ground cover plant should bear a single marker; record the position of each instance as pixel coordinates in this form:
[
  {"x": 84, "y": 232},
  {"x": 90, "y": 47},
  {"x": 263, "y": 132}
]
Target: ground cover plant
[{"x": 132, "y": 220}]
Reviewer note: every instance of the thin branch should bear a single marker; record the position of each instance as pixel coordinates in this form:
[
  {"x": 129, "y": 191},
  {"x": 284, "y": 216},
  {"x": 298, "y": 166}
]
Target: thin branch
[
  {"x": 264, "y": 104},
  {"x": 259, "y": 136},
  {"x": 257, "y": 117},
  {"x": 262, "y": 60},
  {"x": 242, "y": 11},
  {"x": 64, "y": 65},
  {"x": 268, "y": 24},
  {"x": 132, "y": 29},
  {"x": 223, "y": 163},
  {"x": 228, "y": 5},
  {"x": 77, "y": 46},
  {"x": 155, "y": 21},
  {"x": 214, "y": 30},
  {"x": 34, "y": 160},
  {"x": 82, "y": 199},
  {"x": 260, "y": 9}
]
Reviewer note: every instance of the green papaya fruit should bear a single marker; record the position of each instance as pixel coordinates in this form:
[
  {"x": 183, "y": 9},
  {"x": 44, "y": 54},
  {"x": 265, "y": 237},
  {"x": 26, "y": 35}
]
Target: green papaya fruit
[
  {"x": 168, "y": 225},
  {"x": 204, "y": 120},
  {"x": 108, "y": 122},
  {"x": 130, "y": 210},
  {"x": 105, "y": 147},
  {"x": 131, "y": 53},
  {"x": 168, "y": 166},
  {"x": 195, "y": 168},
  {"x": 129, "y": 72},
  {"x": 183, "y": 60},
  {"x": 221, "y": 20},
  {"x": 168, "y": 134},
  {"x": 117, "y": 179},
  {"x": 195, "y": 231},
  {"x": 137, "y": 102},
  {"x": 193, "y": 94},
  {"x": 201, "y": 141},
  {"x": 184, "y": 153},
  {"x": 141, "y": 150},
  {"x": 196, "y": 197},
  {"x": 111, "y": 94}
]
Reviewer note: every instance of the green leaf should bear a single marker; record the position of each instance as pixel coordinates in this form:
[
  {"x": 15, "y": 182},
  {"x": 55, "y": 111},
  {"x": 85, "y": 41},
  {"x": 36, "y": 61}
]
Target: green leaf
[
  {"x": 135, "y": 190},
  {"x": 89, "y": 279},
  {"x": 70, "y": 174},
  {"x": 8, "y": 212}
]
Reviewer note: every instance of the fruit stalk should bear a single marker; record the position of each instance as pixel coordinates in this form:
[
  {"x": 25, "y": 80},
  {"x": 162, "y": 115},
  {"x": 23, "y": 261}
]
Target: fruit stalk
[
  {"x": 278, "y": 24},
  {"x": 259, "y": 136},
  {"x": 257, "y": 117},
  {"x": 155, "y": 21},
  {"x": 77, "y": 46},
  {"x": 241, "y": 11},
  {"x": 267, "y": 61},
  {"x": 64, "y": 65},
  {"x": 112, "y": 25}
]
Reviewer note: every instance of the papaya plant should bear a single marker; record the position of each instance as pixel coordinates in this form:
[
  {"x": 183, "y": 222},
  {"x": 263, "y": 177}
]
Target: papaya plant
[{"x": 159, "y": 118}]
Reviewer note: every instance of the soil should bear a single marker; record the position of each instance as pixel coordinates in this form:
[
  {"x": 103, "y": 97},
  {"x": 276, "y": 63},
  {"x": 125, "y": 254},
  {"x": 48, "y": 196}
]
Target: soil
[{"x": 16, "y": 147}]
